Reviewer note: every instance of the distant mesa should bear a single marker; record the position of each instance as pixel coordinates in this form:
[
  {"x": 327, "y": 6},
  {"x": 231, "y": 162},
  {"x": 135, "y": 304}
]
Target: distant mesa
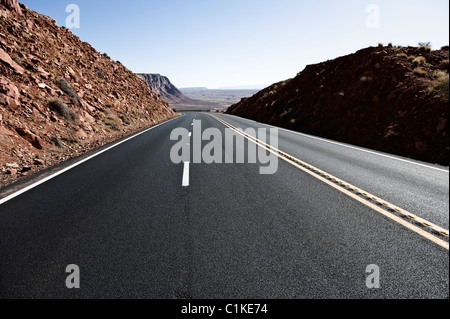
[
  {"x": 193, "y": 98},
  {"x": 162, "y": 86}
]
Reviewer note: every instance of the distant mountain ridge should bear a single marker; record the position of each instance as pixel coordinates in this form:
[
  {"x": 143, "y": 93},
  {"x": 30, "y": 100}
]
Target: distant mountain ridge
[{"x": 161, "y": 85}]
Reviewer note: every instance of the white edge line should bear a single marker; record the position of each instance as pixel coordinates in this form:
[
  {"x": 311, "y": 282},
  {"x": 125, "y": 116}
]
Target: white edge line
[
  {"x": 349, "y": 146},
  {"x": 42, "y": 181},
  {"x": 186, "y": 174}
]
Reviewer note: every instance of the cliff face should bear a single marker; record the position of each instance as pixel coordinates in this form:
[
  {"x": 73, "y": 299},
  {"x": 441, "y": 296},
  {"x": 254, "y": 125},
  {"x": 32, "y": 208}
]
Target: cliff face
[
  {"x": 59, "y": 97},
  {"x": 162, "y": 86},
  {"x": 389, "y": 99}
]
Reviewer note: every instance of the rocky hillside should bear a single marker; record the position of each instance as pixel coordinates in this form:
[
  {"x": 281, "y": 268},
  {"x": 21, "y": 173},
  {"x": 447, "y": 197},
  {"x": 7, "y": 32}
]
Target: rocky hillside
[
  {"x": 163, "y": 87},
  {"x": 59, "y": 97},
  {"x": 392, "y": 99}
]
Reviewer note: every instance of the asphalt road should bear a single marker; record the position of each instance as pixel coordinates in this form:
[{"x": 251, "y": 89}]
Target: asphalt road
[{"x": 125, "y": 218}]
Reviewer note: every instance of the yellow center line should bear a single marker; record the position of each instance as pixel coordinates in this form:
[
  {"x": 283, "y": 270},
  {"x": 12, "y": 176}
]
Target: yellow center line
[{"x": 340, "y": 184}]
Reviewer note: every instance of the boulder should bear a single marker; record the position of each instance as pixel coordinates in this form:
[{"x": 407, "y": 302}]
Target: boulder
[
  {"x": 33, "y": 139},
  {"x": 6, "y": 59},
  {"x": 11, "y": 171}
]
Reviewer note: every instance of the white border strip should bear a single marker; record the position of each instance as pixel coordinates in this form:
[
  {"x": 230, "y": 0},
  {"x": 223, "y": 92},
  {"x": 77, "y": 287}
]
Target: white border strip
[{"x": 42, "y": 181}]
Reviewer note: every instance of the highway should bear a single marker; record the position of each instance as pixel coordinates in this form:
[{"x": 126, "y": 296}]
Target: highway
[{"x": 139, "y": 225}]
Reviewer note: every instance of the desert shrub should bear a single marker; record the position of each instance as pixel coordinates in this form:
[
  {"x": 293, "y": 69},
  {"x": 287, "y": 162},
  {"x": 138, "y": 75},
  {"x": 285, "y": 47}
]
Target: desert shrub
[
  {"x": 125, "y": 118},
  {"x": 425, "y": 48},
  {"x": 411, "y": 58},
  {"x": 66, "y": 88},
  {"x": 445, "y": 47},
  {"x": 57, "y": 142},
  {"x": 419, "y": 61},
  {"x": 402, "y": 55},
  {"x": 100, "y": 74},
  {"x": 365, "y": 80},
  {"x": 71, "y": 137},
  {"x": 429, "y": 90},
  {"x": 442, "y": 85},
  {"x": 380, "y": 45},
  {"x": 439, "y": 74},
  {"x": 106, "y": 56},
  {"x": 62, "y": 109},
  {"x": 111, "y": 120},
  {"x": 444, "y": 65},
  {"x": 420, "y": 72}
]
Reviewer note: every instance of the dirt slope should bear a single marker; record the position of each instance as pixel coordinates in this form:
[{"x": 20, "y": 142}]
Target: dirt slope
[
  {"x": 59, "y": 97},
  {"x": 391, "y": 99}
]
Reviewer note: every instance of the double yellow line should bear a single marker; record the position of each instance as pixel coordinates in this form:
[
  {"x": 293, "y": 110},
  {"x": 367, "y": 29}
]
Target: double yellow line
[{"x": 401, "y": 216}]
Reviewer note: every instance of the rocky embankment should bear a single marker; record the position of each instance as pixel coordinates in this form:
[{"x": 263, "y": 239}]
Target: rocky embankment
[
  {"x": 392, "y": 99},
  {"x": 59, "y": 97}
]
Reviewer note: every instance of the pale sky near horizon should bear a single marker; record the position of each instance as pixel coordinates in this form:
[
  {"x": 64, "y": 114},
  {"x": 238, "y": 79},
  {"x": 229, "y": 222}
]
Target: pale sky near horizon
[{"x": 228, "y": 43}]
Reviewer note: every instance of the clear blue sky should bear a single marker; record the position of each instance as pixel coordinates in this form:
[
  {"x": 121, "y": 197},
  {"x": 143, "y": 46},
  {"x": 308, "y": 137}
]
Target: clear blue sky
[{"x": 226, "y": 43}]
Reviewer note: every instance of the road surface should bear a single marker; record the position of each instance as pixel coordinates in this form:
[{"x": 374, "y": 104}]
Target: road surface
[{"x": 140, "y": 226}]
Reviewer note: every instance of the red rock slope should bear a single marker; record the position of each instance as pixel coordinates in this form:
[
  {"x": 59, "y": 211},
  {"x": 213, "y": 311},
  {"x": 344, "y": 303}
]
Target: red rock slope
[
  {"x": 59, "y": 97},
  {"x": 392, "y": 99}
]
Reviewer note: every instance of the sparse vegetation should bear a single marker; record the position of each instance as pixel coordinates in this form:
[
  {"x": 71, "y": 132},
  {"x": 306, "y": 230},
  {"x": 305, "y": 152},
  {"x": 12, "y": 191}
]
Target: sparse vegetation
[
  {"x": 62, "y": 109},
  {"x": 66, "y": 88},
  {"x": 106, "y": 56},
  {"x": 111, "y": 120},
  {"x": 71, "y": 137},
  {"x": 443, "y": 87},
  {"x": 440, "y": 86},
  {"x": 444, "y": 65},
  {"x": 429, "y": 90},
  {"x": 425, "y": 44},
  {"x": 365, "y": 80},
  {"x": 57, "y": 142},
  {"x": 419, "y": 61},
  {"x": 125, "y": 118},
  {"x": 420, "y": 72},
  {"x": 439, "y": 74},
  {"x": 100, "y": 74},
  {"x": 425, "y": 47}
]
